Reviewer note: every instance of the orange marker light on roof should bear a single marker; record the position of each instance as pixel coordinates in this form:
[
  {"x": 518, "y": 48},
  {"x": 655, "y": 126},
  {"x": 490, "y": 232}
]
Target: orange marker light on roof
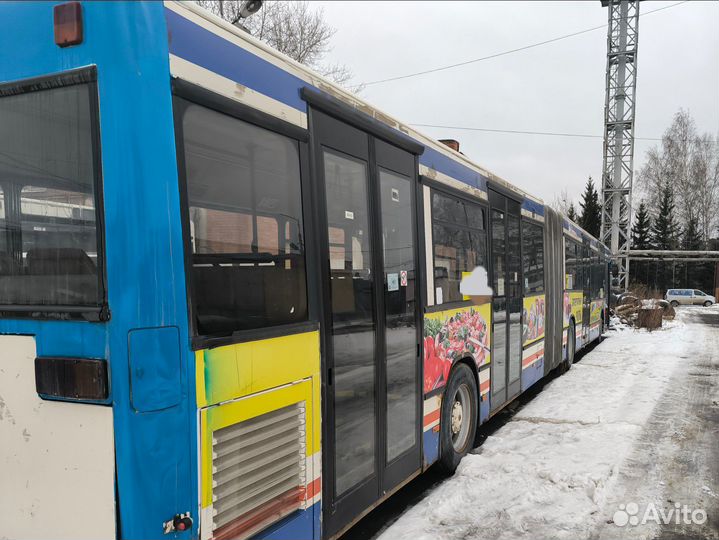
[{"x": 68, "y": 24}]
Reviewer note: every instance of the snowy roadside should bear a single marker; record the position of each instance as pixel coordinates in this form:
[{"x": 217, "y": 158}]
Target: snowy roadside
[{"x": 552, "y": 470}]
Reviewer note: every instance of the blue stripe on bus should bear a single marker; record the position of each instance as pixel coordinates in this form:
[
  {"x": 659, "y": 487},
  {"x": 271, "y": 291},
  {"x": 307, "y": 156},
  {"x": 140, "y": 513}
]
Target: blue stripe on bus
[
  {"x": 430, "y": 446},
  {"x": 446, "y": 165},
  {"x": 214, "y": 53},
  {"x": 569, "y": 226},
  {"x": 301, "y": 524},
  {"x": 532, "y": 374},
  {"x": 484, "y": 409},
  {"x": 533, "y": 206}
]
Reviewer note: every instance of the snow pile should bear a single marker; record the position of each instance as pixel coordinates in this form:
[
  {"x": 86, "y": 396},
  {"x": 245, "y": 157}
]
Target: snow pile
[{"x": 549, "y": 472}]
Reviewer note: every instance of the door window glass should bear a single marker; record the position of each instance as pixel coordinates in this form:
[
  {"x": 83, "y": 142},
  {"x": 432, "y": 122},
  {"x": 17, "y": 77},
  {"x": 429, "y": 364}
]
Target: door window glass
[
  {"x": 353, "y": 323},
  {"x": 514, "y": 300},
  {"x": 396, "y": 202},
  {"x": 499, "y": 307}
]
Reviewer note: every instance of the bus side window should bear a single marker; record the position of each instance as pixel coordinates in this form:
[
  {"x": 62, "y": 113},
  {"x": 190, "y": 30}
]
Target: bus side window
[
  {"x": 570, "y": 264},
  {"x": 460, "y": 245},
  {"x": 245, "y": 212},
  {"x": 532, "y": 257}
]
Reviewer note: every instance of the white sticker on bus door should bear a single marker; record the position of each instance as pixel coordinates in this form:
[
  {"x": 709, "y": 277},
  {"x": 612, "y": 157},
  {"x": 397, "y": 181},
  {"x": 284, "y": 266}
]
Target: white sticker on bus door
[{"x": 392, "y": 282}]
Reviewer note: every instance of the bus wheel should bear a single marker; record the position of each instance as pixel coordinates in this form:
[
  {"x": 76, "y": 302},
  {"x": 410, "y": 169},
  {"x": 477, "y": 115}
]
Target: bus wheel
[
  {"x": 674, "y": 303},
  {"x": 571, "y": 346},
  {"x": 459, "y": 418}
]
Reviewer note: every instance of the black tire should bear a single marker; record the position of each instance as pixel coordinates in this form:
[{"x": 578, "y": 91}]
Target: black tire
[
  {"x": 455, "y": 441},
  {"x": 707, "y": 303},
  {"x": 571, "y": 347},
  {"x": 674, "y": 303}
]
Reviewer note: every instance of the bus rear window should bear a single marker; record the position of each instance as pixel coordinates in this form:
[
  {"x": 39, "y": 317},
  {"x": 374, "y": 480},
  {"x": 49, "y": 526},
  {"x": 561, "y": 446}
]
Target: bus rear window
[{"x": 48, "y": 237}]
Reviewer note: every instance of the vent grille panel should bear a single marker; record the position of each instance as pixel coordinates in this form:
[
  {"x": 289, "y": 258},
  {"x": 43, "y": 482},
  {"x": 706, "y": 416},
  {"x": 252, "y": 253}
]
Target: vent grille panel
[{"x": 258, "y": 471}]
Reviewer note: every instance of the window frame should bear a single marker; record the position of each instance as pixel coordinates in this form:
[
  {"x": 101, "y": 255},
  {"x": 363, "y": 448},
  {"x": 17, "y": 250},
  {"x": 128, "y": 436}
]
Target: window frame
[
  {"x": 99, "y": 312},
  {"x": 577, "y": 265},
  {"x": 525, "y": 222},
  {"x": 448, "y": 191},
  {"x": 185, "y": 93}
]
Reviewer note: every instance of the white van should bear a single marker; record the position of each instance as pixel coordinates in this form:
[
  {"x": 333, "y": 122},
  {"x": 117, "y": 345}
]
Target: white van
[{"x": 689, "y": 297}]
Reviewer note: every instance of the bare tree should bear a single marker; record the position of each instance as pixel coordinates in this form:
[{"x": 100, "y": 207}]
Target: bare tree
[
  {"x": 704, "y": 169},
  {"x": 291, "y": 27},
  {"x": 688, "y": 162},
  {"x": 561, "y": 202}
]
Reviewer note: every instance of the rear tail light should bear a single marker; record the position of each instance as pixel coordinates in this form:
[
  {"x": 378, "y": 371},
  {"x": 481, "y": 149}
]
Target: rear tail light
[
  {"x": 68, "y": 24},
  {"x": 71, "y": 379}
]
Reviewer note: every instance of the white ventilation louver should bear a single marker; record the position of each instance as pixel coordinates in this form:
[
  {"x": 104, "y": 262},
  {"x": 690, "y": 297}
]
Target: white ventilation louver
[{"x": 258, "y": 472}]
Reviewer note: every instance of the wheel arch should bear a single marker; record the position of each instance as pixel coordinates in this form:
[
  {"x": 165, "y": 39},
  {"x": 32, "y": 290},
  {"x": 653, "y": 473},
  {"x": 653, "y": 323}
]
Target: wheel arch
[{"x": 469, "y": 362}]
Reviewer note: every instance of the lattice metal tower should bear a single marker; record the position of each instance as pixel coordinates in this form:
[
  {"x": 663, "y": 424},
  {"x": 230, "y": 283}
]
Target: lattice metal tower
[{"x": 619, "y": 108}]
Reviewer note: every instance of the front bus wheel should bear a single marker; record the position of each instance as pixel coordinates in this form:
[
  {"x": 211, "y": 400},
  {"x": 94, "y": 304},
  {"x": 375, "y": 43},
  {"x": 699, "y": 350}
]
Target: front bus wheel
[{"x": 459, "y": 417}]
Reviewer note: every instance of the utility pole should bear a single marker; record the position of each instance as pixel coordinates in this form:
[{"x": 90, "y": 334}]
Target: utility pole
[{"x": 619, "y": 108}]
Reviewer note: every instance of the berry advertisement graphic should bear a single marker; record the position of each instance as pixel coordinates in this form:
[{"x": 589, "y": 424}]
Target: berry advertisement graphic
[{"x": 452, "y": 335}]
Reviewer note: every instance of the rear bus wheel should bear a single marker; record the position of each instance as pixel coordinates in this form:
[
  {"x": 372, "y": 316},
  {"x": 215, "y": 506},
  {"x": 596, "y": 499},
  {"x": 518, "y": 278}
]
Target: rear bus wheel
[{"x": 459, "y": 417}]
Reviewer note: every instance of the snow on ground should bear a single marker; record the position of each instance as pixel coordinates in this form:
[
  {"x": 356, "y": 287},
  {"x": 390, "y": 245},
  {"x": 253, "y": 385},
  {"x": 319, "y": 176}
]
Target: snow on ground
[{"x": 553, "y": 470}]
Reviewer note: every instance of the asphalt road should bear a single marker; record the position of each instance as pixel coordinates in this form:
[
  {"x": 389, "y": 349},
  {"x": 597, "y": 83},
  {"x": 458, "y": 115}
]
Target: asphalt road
[{"x": 679, "y": 447}]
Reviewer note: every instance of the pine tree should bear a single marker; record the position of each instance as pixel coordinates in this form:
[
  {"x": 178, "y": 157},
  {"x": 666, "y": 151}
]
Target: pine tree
[
  {"x": 641, "y": 239},
  {"x": 641, "y": 231},
  {"x": 665, "y": 230},
  {"x": 572, "y": 213},
  {"x": 695, "y": 273},
  {"x": 692, "y": 237},
  {"x": 591, "y": 217}
]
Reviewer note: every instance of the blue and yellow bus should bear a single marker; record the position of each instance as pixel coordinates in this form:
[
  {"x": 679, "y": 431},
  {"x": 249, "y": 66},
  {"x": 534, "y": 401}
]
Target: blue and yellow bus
[{"x": 230, "y": 299}]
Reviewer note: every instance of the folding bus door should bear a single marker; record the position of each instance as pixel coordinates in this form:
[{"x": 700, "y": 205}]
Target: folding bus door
[
  {"x": 507, "y": 302},
  {"x": 366, "y": 194}
]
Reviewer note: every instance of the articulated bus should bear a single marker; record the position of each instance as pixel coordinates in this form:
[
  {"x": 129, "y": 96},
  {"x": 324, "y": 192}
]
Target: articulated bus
[{"x": 232, "y": 295}]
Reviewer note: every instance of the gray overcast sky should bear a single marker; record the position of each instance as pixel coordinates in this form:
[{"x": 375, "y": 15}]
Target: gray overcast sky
[{"x": 556, "y": 87}]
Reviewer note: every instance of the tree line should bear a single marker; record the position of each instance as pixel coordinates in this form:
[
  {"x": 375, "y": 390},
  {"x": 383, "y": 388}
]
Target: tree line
[{"x": 678, "y": 193}]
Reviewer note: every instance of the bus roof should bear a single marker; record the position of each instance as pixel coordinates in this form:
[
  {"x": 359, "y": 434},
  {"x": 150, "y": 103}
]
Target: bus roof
[{"x": 434, "y": 161}]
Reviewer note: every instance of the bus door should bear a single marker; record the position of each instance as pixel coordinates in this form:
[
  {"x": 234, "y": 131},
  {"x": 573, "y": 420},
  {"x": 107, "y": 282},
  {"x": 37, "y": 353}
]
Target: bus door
[
  {"x": 586, "y": 291},
  {"x": 506, "y": 366},
  {"x": 366, "y": 195}
]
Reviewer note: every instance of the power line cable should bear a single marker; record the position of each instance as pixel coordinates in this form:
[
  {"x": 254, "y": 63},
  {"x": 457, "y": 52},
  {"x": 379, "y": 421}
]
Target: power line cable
[
  {"x": 522, "y": 132},
  {"x": 503, "y": 53}
]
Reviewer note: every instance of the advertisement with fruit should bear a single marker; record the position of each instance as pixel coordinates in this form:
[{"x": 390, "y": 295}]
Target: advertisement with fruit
[{"x": 451, "y": 335}]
